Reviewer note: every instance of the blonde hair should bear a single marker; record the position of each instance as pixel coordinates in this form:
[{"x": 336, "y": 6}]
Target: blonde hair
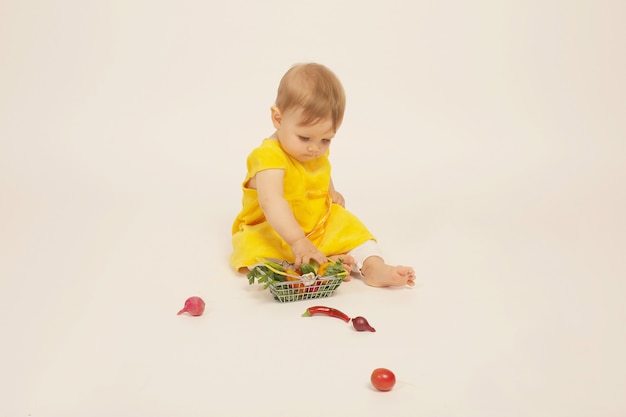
[{"x": 316, "y": 90}]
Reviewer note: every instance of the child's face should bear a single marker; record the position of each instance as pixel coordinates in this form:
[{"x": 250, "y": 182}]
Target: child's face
[{"x": 302, "y": 143}]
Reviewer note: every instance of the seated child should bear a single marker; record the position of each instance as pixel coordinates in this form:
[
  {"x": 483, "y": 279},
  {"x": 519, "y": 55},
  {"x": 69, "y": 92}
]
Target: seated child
[{"x": 291, "y": 210}]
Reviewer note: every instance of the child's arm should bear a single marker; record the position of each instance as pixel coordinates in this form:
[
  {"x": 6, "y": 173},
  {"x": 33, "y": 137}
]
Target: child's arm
[
  {"x": 336, "y": 195},
  {"x": 269, "y": 185}
]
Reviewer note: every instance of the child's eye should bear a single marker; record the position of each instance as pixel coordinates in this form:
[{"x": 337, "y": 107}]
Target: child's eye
[
  {"x": 303, "y": 138},
  {"x": 326, "y": 141}
]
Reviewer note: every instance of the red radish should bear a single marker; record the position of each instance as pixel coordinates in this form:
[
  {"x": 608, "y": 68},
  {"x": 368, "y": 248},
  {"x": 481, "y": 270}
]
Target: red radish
[
  {"x": 361, "y": 324},
  {"x": 194, "y": 306}
]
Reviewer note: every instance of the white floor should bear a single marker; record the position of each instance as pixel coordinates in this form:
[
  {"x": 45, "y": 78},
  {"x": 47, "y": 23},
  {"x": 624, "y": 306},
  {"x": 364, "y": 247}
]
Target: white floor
[{"x": 484, "y": 144}]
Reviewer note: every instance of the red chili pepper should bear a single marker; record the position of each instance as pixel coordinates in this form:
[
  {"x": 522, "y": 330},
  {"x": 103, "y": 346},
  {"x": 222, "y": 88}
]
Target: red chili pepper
[{"x": 328, "y": 311}]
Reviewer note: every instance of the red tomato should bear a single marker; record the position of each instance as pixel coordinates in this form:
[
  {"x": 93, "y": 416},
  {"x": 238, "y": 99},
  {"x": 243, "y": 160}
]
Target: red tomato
[{"x": 383, "y": 379}]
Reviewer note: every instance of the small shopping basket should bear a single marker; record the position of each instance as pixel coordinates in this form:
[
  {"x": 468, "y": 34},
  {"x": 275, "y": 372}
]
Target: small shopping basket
[{"x": 287, "y": 286}]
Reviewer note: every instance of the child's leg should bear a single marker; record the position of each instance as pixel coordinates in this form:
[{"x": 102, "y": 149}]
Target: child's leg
[
  {"x": 370, "y": 263},
  {"x": 364, "y": 251}
]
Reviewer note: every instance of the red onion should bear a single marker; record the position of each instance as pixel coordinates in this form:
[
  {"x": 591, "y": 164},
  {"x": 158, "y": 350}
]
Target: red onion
[
  {"x": 194, "y": 306},
  {"x": 361, "y": 324}
]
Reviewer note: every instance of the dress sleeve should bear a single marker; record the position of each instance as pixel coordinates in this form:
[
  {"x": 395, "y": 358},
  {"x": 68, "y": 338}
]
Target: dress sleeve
[{"x": 263, "y": 158}]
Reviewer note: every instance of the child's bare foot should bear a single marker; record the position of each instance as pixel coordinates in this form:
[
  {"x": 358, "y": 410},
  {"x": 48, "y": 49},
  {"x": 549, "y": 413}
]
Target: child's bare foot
[
  {"x": 348, "y": 263},
  {"x": 378, "y": 274}
]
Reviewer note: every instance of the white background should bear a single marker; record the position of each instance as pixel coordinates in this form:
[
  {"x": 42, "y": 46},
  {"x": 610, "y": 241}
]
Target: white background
[{"x": 484, "y": 143}]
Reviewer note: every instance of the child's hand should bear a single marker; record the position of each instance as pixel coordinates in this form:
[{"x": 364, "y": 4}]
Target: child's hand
[
  {"x": 337, "y": 198},
  {"x": 304, "y": 251}
]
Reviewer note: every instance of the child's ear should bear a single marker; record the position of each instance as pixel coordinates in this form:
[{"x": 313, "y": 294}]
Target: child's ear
[{"x": 277, "y": 117}]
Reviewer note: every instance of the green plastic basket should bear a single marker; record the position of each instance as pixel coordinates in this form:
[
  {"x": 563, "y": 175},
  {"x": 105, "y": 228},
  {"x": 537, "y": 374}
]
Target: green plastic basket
[{"x": 289, "y": 291}]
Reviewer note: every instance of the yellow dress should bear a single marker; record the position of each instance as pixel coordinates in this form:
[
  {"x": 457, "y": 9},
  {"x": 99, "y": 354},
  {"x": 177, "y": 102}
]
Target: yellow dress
[{"x": 331, "y": 228}]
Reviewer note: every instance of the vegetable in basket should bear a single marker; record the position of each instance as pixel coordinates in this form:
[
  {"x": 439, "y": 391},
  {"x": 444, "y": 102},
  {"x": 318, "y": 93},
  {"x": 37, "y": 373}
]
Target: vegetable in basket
[
  {"x": 307, "y": 269},
  {"x": 296, "y": 282},
  {"x": 268, "y": 271},
  {"x": 332, "y": 268},
  {"x": 289, "y": 284}
]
